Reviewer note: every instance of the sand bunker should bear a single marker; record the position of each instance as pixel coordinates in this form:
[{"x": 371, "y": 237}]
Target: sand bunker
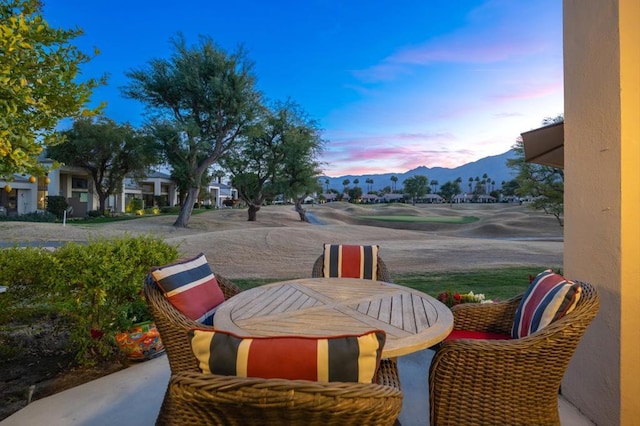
[{"x": 278, "y": 245}]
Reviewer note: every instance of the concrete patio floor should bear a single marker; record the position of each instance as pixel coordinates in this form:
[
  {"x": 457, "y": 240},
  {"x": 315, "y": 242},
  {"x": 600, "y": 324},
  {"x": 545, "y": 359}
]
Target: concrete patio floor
[{"x": 133, "y": 396}]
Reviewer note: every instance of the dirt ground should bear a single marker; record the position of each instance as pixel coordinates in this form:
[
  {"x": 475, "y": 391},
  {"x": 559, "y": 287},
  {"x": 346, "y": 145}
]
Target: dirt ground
[{"x": 280, "y": 246}]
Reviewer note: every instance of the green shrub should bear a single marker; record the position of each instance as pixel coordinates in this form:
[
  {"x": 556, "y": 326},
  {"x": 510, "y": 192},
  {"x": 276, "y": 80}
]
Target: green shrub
[
  {"x": 98, "y": 285},
  {"x": 94, "y": 213},
  {"x": 134, "y": 205},
  {"x": 171, "y": 210},
  {"x": 161, "y": 201},
  {"x": 56, "y": 204},
  {"x": 31, "y": 217},
  {"x": 25, "y": 272}
]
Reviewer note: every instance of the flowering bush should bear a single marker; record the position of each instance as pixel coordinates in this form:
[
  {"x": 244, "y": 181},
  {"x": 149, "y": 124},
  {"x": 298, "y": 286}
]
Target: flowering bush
[{"x": 452, "y": 299}]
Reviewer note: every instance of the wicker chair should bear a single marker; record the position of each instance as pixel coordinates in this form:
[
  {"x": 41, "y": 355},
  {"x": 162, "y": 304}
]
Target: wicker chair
[
  {"x": 382, "y": 274},
  {"x": 199, "y": 399},
  {"x": 194, "y": 398},
  {"x": 514, "y": 382},
  {"x": 172, "y": 324}
]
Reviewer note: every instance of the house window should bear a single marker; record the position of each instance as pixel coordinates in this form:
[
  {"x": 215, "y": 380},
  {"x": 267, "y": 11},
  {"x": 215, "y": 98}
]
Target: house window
[
  {"x": 82, "y": 196},
  {"x": 79, "y": 183}
]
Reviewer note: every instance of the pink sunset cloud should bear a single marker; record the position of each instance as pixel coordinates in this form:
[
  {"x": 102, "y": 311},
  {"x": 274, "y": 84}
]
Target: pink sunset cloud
[
  {"x": 531, "y": 92},
  {"x": 392, "y": 153}
]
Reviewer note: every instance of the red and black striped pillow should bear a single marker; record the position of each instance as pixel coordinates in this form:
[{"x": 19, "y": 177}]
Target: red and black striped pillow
[
  {"x": 191, "y": 287},
  {"x": 351, "y": 261},
  {"x": 346, "y": 358}
]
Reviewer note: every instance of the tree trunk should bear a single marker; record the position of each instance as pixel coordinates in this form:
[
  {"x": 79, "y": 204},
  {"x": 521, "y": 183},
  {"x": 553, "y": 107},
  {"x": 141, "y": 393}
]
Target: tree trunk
[
  {"x": 187, "y": 208},
  {"x": 253, "y": 212},
  {"x": 102, "y": 201},
  {"x": 301, "y": 211}
]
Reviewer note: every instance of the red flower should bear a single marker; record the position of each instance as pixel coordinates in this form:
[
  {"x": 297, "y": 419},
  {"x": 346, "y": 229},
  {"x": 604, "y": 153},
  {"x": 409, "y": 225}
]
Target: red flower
[{"x": 96, "y": 334}]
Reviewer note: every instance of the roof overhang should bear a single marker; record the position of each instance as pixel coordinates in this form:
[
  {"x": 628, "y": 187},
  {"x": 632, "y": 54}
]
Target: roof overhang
[{"x": 545, "y": 145}]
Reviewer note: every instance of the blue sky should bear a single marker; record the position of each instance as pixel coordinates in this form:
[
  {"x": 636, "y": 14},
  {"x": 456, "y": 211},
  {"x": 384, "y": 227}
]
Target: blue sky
[{"x": 393, "y": 84}]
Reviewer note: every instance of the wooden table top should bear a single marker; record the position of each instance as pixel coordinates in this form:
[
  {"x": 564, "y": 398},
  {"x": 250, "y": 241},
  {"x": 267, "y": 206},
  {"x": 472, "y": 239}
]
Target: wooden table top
[{"x": 411, "y": 319}]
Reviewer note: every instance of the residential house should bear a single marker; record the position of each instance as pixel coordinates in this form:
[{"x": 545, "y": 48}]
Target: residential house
[
  {"x": 474, "y": 198},
  {"x": 392, "y": 198},
  {"x": 431, "y": 199},
  {"x": 27, "y": 195},
  {"x": 217, "y": 192},
  {"x": 330, "y": 196},
  {"x": 370, "y": 198},
  {"x": 155, "y": 189}
]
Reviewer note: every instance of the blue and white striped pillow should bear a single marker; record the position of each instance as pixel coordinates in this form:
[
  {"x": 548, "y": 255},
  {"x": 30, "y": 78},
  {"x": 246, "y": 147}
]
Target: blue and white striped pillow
[{"x": 549, "y": 297}]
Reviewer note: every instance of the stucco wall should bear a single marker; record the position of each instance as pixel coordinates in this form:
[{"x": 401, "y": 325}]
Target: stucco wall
[{"x": 602, "y": 177}]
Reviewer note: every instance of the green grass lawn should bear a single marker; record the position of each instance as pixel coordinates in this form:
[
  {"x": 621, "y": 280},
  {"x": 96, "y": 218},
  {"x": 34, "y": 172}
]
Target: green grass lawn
[
  {"x": 497, "y": 283},
  {"x": 432, "y": 219},
  {"x": 108, "y": 219}
]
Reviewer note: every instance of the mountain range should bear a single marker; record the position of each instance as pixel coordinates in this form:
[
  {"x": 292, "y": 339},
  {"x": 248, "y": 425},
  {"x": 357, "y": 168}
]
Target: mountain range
[{"x": 494, "y": 166}]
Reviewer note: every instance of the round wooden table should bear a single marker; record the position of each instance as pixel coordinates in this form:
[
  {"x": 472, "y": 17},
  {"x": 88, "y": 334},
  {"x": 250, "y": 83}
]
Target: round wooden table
[{"x": 411, "y": 319}]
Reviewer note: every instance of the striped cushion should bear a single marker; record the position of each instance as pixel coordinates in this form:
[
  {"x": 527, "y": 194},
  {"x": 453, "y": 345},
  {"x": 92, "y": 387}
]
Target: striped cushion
[
  {"x": 349, "y": 261},
  {"x": 191, "y": 287},
  {"x": 347, "y": 358},
  {"x": 549, "y": 297}
]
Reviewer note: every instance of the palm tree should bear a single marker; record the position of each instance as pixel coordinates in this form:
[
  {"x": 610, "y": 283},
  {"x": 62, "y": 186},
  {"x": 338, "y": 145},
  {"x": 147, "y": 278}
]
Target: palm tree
[
  {"x": 219, "y": 174},
  {"x": 434, "y": 184},
  {"x": 370, "y": 183},
  {"x": 346, "y": 183},
  {"x": 394, "y": 179},
  {"x": 470, "y": 185},
  {"x": 326, "y": 182},
  {"x": 356, "y": 181}
]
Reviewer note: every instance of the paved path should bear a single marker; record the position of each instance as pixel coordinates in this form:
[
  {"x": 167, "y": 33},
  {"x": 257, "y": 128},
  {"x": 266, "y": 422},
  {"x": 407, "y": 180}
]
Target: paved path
[
  {"x": 133, "y": 397},
  {"x": 9, "y": 244}
]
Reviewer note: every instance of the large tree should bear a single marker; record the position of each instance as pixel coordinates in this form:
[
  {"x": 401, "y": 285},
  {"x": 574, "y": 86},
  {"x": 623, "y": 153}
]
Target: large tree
[
  {"x": 107, "y": 150},
  {"x": 209, "y": 98},
  {"x": 38, "y": 84},
  {"x": 450, "y": 189},
  {"x": 173, "y": 148},
  {"x": 300, "y": 169},
  {"x": 416, "y": 186},
  {"x": 278, "y": 156},
  {"x": 544, "y": 184}
]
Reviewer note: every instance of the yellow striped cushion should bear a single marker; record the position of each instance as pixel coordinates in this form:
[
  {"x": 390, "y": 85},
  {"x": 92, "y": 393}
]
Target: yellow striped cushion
[{"x": 346, "y": 358}]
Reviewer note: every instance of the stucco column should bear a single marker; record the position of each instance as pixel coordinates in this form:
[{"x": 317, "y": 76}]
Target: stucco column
[
  {"x": 54, "y": 182},
  {"x": 602, "y": 201}
]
